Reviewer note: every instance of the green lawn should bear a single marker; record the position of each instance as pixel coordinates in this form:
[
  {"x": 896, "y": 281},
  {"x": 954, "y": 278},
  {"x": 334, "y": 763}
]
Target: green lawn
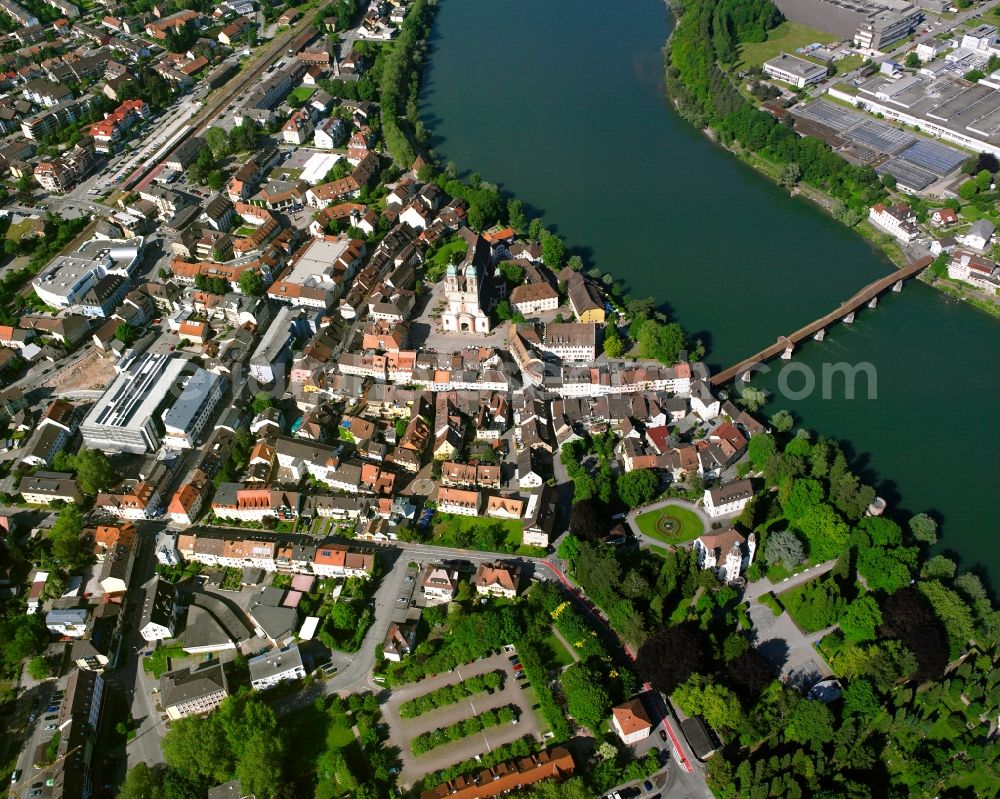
[
  {"x": 157, "y": 662},
  {"x": 17, "y": 230},
  {"x": 303, "y": 93},
  {"x": 688, "y": 525},
  {"x": 317, "y": 731},
  {"x": 436, "y": 266},
  {"x": 561, "y": 656},
  {"x": 786, "y": 38},
  {"x": 471, "y": 532}
]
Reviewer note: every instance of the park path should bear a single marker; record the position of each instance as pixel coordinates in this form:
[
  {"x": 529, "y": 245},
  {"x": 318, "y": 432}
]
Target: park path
[
  {"x": 698, "y": 511},
  {"x": 755, "y": 590}
]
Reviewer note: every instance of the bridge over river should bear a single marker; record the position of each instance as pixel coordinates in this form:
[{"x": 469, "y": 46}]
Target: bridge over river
[{"x": 785, "y": 345}]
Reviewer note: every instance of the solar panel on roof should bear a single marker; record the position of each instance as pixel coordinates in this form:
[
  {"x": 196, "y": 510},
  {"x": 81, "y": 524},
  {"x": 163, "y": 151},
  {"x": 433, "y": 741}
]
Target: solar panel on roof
[
  {"x": 909, "y": 176},
  {"x": 881, "y": 137},
  {"x": 831, "y": 115},
  {"x": 934, "y": 157}
]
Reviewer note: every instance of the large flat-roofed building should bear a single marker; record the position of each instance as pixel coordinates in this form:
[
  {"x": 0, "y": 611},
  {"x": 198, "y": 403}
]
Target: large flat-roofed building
[
  {"x": 194, "y": 408},
  {"x": 66, "y": 281},
  {"x": 871, "y": 24},
  {"x": 122, "y": 420},
  {"x": 946, "y": 106},
  {"x": 316, "y": 278},
  {"x": 796, "y": 71}
]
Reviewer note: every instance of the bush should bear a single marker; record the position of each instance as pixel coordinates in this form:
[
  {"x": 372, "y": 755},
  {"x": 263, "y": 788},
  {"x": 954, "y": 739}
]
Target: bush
[{"x": 427, "y": 741}]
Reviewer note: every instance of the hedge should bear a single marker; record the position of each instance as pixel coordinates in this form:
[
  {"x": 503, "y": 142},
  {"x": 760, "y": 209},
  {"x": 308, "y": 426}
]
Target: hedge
[
  {"x": 427, "y": 741},
  {"x": 449, "y": 694}
]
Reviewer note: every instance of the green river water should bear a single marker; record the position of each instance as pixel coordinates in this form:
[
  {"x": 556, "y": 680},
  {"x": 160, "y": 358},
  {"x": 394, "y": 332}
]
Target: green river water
[{"x": 561, "y": 103}]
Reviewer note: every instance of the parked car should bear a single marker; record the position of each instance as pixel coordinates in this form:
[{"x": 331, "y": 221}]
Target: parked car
[
  {"x": 647, "y": 785},
  {"x": 15, "y": 776},
  {"x": 663, "y": 735}
]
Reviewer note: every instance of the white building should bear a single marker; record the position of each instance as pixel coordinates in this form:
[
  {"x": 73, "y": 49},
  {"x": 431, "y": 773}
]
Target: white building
[
  {"x": 571, "y": 341},
  {"x": 70, "y": 622},
  {"x": 122, "y": 420},
  {"x": 462, "y": 503},
  {"x": 969, "y": 268},
  {"x": 978, "y": 236},
  {"x": 796, "y": 71},
  {"x": 66, "y": 280},
  {"x": 728, "y": 498},
  {"x": 631, "y": 721},
  {"x": 159, "y": 616},
  {"x": 193, "y": 410},
  {"x": 727, "y": 552},
  {"x": 276, "y": 666},
  {"x": 329, "y": 133},
  {"x": 465, "y": 292},
  {"x": 438, "y": 584},
  {"x": 187, "y": 692},
  {"x": 898, "y": 221}
]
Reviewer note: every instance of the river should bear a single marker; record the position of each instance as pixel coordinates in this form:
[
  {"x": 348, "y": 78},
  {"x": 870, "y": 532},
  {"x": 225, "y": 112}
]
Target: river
[{"x": 561, "y": 103}]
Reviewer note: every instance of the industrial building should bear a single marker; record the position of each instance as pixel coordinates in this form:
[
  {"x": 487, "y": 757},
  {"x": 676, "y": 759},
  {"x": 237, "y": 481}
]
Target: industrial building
[{"x": 871, "y": 24}]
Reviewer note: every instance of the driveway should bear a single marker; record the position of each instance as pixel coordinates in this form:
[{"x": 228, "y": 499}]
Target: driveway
[
  {"x": 403, "y": 731},
  {"x": 786, "y": 647}
]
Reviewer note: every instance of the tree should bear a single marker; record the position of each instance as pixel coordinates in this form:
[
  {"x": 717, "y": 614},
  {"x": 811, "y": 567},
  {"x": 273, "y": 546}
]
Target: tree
[
  {"x": 811, "y": 722},
  {"x": 749, "y": 674},
  {"x": 589, "y": 520},
  {"x": 587, "y": 699},
  {"x": 924, "y": 528},
  {"x": 752, "y": 398},
  {"x": 94, "y": 471},
  {"x": 791, "y": 174},
  {"x": 553, "y": 251},
  {"x": 953, "y": 612},
  {"x": 251, "y": 283},
  {"x": 907, "y": 615},
  {"x": 515, "y": 215},
  {"x": 860, "y": 699},
  {"x": 39, "y": 668},
  {"x": 805, "y": 494},
  {"x": 142, "y": 782},
  {"x": 217, "y": 141},
  {"x": 785, "y": 548},
  {"x": 125, "y": 333},
  {"x": 912, "y": 60},
  {"x": 782, "y": 421},
  {"x": 862, "y": 619},
  {"x": 69, "y": 548},
  {"x": 535, "y": 229},
  {"x": 939, "y": 567},
  {"x": 701, "y": 696},
  {"x": 261, "y": 402},
  {"x": 825, "y": 532},
  {"x": 568, "y": 550},
  {"x": 669, "y": 657},
  {"x": 503, "y": 311},
  {"x": 637, "y": 487}
]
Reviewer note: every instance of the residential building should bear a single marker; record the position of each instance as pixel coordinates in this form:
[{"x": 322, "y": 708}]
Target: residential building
[
  {"x": 728, "y": 499},
  {"x": 438, "y": 584},
  {"x": 44, "y": 488},
  {"x": 192, "y": 692},
  {"x": 184, "y": 422},
  {"x": 504, "y": 778},
  {"x": 159, "y": 610},
  {"x": 979, "y": 234},
  {"x": 896, "y": 220},
  {"x": 570, "y": 341},
  {"x": 276, "y": 666},
  {"x": 400, "y": 640},
  {"x": 68, "y": 622},
  {"x": 457, "y": 501},
  {"x": 497, "y": 579},
  {"x": 728, "y": 552},
  {"x": 631, "y": 721},
  {"x": 974, "y": 269},
  {"x": 532, "y": 298}
]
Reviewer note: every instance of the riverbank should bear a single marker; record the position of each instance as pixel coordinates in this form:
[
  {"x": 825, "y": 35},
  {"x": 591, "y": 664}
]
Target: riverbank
[{"x": 879, "y": 241}]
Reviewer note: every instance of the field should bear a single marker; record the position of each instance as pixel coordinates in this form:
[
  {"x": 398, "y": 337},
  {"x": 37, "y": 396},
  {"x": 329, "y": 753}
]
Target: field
[
  {"x": 672, "y": 524},
  {"x": 786, "y": 38}
]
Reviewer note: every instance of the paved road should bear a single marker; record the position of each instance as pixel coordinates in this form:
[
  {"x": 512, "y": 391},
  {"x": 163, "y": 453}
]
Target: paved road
[{"x": 755, "y": 590}]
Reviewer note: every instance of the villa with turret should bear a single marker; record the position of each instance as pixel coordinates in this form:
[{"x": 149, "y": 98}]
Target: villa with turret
[{"x": 727, "y": 551}]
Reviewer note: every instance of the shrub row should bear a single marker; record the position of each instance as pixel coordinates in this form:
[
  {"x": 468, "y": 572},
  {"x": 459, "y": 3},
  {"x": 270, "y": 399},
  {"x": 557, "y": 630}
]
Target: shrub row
[
  {"x": 449, "y": 694},
  {"x": 463, "y": 729}
]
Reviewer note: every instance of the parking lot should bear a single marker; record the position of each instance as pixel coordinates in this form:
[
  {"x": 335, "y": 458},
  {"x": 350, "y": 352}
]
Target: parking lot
[{"x": 403, "y": 731}]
